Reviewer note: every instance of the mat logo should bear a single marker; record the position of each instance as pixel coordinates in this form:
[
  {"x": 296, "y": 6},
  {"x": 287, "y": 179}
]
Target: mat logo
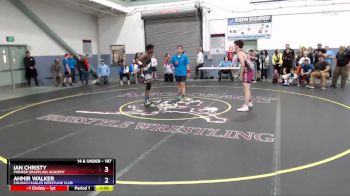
[
  {"x": 164, "y": 106},
  {"x": 257, "y": 99},
  {"x": 170, "y": 109}
]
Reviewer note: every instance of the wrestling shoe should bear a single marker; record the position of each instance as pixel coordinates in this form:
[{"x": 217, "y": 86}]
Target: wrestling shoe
[
  {"x": 179, "y": 98},
  {"x": 149, "y": 104},
  {"x": 186, "y": 99},
  {"x": 244, "y": 108},
  {"x": 250, "y": 105}
]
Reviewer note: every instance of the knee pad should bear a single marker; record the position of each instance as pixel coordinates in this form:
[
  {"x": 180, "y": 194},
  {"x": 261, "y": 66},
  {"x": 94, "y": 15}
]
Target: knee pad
[{"x": 148, "y": 86}]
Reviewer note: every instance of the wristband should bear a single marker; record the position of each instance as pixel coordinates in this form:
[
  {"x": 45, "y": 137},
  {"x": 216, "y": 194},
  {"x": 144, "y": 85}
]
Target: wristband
[{"x": 188, "y": 71}]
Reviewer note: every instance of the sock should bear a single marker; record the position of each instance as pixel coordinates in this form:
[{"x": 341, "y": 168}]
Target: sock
[{"x": 146, "y": 98}]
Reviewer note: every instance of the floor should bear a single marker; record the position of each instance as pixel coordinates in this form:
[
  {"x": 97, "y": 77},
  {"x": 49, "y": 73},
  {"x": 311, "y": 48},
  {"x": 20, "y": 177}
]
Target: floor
[{"x": 294, "y": 141}]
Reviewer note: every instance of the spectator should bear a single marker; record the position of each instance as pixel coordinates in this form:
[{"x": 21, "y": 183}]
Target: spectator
[
  {"x": 287, "y": 61},
  {"x": 310, "y": 55},
  {"x": 124, "y": 72},
  {"x": 56, "y": 70},
  {"x": 275, "y": 76},
  {"x": 290, "y": 49},
  {"x": 329, "y": 58},
  {"x": 321, "y": 71},
  {"x": 80, "y": 67},
  {"x": 305, "y": 74},
  {"x": 253, "y": 58},
  {"x": 277, "y": 61},
  {"x": 258, "y": 66},
  {"x": 235, "y": 64},
  {"x": 319, "y": 51},
  {"x": 289, "y": 78},
  {"x": 168, "y": 69},
  {"x": 67, "y": 71},
  {"x": 72, "y": 66},
  {"x": 200, "y": 63},
  {"x": 265, "y": 63},
  {"x": 225, "y": 63},
  {"x": 85, "y": 70},
  {"x": 31, "y": 72},
  {"x": 300, "y": 54},
  {"x": 342, "y": 61},
  {"x": 154, "y": 64},
  {"x": 230, "y": 53},
  {"x": 134, "y": 71},
  {"x": 103, "y": 72},
  {"x": 302, "y": 59}
]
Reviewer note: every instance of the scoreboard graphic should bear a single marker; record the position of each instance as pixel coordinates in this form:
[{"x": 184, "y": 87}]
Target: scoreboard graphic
[{"x": 51, "y": 175}]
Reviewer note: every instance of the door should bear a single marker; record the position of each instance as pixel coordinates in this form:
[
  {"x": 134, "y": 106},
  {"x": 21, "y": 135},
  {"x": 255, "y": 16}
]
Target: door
[
  {"x": 17, "y": 54},
  {"x": 12, "y": 69},
  {"x": 165, "y": 34}
]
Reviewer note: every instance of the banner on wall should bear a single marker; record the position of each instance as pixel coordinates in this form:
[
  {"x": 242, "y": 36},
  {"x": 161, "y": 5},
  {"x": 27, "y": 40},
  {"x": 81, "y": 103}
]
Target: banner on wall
[
  {"x": 217, "y": 44},
  {"x": 250, "y": 28}
]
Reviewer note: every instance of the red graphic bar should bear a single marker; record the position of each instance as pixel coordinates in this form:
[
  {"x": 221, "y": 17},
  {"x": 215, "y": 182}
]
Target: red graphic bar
[{"x": 32, "y": 188}]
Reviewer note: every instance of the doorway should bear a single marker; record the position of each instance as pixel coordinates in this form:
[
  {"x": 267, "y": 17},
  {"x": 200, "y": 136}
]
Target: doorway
[
  {"x": 118, "y": 54},
  {"x": 12, "y": 70}
]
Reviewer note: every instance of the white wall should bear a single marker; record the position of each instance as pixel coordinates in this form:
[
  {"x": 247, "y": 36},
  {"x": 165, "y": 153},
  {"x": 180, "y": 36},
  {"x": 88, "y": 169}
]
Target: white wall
[
  {"x": 290, "y": 23},
  {"x": 293, "y": 23},
  {"x": 122, "y": 30},
  {"x": 70, "y": 25}
]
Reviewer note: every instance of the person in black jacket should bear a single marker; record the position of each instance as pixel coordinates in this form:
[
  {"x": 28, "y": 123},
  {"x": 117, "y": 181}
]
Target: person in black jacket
[
  {"x": 31, "y": 72},
  {"x": 288, "y": 60},
  {"x": 80, "y": 67}
]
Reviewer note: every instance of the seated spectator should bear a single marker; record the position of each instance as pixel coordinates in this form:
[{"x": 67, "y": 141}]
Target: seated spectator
[
  {"x": 134, "y": 71},
  {"x": 305, "y": 74},
  {"x": 275, "y": 77},
  {"x": 225, "y": 63},
  {"x": 290, "y": 78},
  {"x": 124, "y": 72},
  {"x": 56, "y": 70},
  {"x": 342, "y": 59},
  {"x": 321, "y": 70},
  {"x": 103, "y": 72}
]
